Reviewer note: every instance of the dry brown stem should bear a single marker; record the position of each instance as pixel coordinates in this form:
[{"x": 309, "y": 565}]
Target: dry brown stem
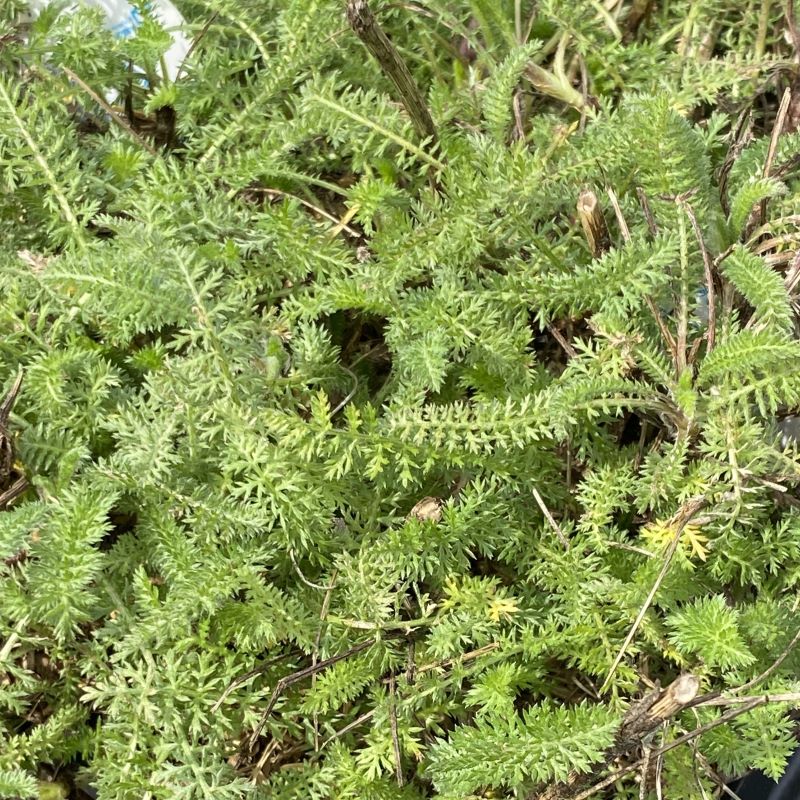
[
  {"x": 366, "y": 27},
  {"x": 641, "y": 720},
  {"x": 593, "y": 223}
]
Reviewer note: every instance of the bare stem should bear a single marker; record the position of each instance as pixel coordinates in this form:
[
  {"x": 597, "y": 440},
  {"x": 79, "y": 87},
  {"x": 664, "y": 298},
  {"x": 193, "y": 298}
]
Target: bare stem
[{"x": 366, "y": 27}]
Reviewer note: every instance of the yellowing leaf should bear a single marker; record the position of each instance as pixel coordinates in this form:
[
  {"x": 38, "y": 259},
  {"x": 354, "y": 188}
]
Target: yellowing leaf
[
  {"x": 658, "y": 535},
  {"x": 696, "y": 540},
  {"x": 502, "y": 607},
  {"x": 692, "y": 544}
]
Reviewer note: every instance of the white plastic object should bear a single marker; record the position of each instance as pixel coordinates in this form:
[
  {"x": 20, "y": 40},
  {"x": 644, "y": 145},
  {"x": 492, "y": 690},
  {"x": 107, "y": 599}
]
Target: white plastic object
[{"x": 122, "y": 19}]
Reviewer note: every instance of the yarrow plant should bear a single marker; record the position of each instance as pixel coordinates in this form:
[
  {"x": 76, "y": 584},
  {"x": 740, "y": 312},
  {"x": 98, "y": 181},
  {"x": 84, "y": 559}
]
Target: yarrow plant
[{"x": 393, "y": 402}]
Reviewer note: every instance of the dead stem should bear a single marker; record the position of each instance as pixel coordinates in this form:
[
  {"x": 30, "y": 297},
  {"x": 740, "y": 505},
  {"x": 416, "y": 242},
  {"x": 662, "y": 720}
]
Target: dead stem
[
  {"x": 115, "y": 117},
  {"x": 549, "y": 517},
  {"x": 299, "y": 675},
  {"x": 398, "y": 755},
  {"x": 708, "y": 271},
  {"x": 366, "y": 27}
]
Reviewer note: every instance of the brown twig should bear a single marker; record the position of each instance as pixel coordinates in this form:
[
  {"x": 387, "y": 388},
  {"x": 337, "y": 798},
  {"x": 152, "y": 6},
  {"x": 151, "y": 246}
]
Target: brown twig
[
  {"x": 519, "y": 116},
  {"x": 242, "y": 679},
  {"x": 787, "y": 167},
  {"x": 772, "y": 667},
  {"x": 10, "y": 399},
  {"x": 744, "y": 704},
  {"x": 723, "y": 255},
  {"x": 793, "y": 274},
  {"x": 665, "y": 332},
  {"x": 366, "y": 27},
  {"x": 589, "y": 691},
  {"x": 196, "y": 41},
  {"x": 647, "y": 211},
  {"x": 643, "y": 717},
  {"x": 398, "y": 755},
  {"x": 262, "y": 761},
  {"x": 411, "y": 666},
  {"x": 777, "y": 697},
  {"x": 687, "y": 737},
  {"x": 287, "y": 681},
  {"x": 777, "y": 129},
  {"x": 559, "y": 337},
  {"x": 13, "y": 491},
  {"x": 115, "y": 116},
  {"x": 741, "y": 135},
  {"x": 468, "y": 656},
  {"x": 349, "y": 727},
  {"x": 323, "y": 613},
  {"x": 550, "y": 519},
  {"x": 765, "y": 245},
  {"x": 321, "y": 211},
  {"x": 645, "y": 772},
  {"x": 623, "y": 225},
  {"x": 7, "y": 467},
  {"x": 708, "y": 270},
  {"x": 712, "y": 773}
]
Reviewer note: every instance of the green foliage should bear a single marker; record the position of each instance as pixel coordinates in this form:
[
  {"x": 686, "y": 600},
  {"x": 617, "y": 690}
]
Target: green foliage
[
  {"x": 545, "y": 744},
  {"x": 754, "y": 191},
  {"x": 16, "y": 783},
  {"x": 763, "y": 288},
  {"x": 708, "y": 629},
  {"x": 348, "y": 461},
  {"x": 498, "y": 97}
]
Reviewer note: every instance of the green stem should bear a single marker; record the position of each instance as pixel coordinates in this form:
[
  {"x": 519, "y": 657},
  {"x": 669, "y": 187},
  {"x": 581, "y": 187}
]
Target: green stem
[
  {"x": 763, "y": 22},
  {"x": 404, "y": 143},
  {"x": 39, "y": 158}
]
